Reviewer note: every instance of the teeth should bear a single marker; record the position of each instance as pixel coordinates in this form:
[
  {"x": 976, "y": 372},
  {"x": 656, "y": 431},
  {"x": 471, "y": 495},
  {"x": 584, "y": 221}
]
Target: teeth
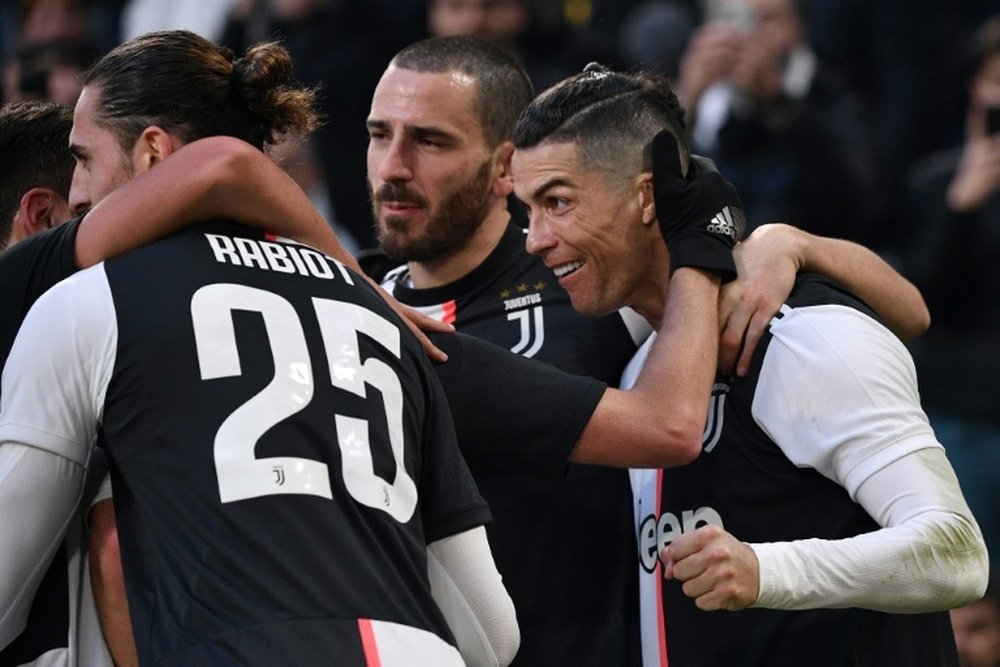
[{"x": 566, "y": 269}]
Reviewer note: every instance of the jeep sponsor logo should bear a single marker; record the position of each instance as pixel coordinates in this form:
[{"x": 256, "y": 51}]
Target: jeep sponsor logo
[{"x": 654, "y": 534}]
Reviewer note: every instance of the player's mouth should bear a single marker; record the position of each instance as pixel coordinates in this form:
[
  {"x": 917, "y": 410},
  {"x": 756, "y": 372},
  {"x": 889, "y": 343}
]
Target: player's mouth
[
  {"x": 566, "y": 269},
  {"x": 398, "y": 208}
]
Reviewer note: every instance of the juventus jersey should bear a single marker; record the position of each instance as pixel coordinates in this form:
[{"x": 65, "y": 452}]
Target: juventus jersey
[
  {"x": 774, "y": 490},
  {"x": 281, "y": 452},
  {"x": 549, "y": 537},
  {"x": 61, "y": 629}
]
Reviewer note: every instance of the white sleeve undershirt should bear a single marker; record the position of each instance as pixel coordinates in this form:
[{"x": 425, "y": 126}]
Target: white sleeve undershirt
[
  {"x": 837, "y": 392},
  {"x": 54, "y": 384},
  {"x": 470, "y": 593},
  {"x": 32, "y": 524}
]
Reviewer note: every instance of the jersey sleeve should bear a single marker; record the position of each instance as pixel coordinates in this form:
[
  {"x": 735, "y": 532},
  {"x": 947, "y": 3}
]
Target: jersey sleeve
[
  {"x": 838, "y": 393},
  {"x": 450, "y": 499},
  {"x": 28, "y": 270},
  {"x": 59, "y": 368},
  {"x": 504, "y": 407}
]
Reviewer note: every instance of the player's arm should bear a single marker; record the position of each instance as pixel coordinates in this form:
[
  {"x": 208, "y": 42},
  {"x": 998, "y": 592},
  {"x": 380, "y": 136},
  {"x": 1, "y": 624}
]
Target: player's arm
[
  {"x": 48, "y": 407},
  {"x": 219, "y": 177},
  {"x": 215, "y": 177},
  {"x": 39, "y": 491},
  {"x": 767, "y": 263},
  {"x": 108, "y": 582},
  {"x": 660, "y": 420},
  {"x": 470, "y": 593},
  {"x": 929, "y": 554},
  {"x": 838, "y": 394}
]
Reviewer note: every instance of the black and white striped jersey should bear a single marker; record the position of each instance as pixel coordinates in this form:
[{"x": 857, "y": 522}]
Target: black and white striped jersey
[
  {"x": 771, "y": 470},
  {"x": 280, "y": 449}
]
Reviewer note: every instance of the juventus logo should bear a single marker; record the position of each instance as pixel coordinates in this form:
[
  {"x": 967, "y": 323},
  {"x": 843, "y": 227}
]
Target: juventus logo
[
  {"x": 279, "y": 475},
  {"x": 716, "y": 410},
  {"x": 532, "y": 331}
]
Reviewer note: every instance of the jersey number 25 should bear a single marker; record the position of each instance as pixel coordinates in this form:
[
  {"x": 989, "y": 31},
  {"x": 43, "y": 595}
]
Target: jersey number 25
[{"x": 240, "y": 473}]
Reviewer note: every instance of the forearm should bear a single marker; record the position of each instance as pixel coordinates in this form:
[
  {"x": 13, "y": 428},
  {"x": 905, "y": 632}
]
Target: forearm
[
  {"x": 929, "y": 556},
  {"x": 470, "y": 592},
  {"x": 660, "y": 420},
  {"x": 868, "y": 276},
  {"x": 217, "y": 177},
  {"x": 38, "y": 494},
  {"x": 108, "y": 582}
]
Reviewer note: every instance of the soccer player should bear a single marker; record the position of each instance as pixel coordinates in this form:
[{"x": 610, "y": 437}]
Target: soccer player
[
  {"x": 439, "y": 156},
  {"x": 37, "y": 169},
  {"x": 203, "y": 180},
  {"x": 62, "y": 623},
  {"x": 821, "y": 499},
  {"x": 287, "y": 315}
]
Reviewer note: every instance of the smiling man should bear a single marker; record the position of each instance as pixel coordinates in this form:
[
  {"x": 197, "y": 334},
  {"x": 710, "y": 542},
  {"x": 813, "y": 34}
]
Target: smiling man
[
  {"x": 821, "y": 497},
  {"x": 230, "y": 397}
]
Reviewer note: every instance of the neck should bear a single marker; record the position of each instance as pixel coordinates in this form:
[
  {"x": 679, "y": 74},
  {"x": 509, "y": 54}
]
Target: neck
[
  {"x": 449, "y": 268},
  {"x": 649, "y": 297}
]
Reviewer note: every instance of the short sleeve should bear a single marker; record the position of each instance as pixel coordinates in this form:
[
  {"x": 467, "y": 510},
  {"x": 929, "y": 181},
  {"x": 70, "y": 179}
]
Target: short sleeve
[
  {"x": 450, "y": 499},
  {"x": 57, "y": 374},
  {"x": 28, "y": 270},
  {"x": 838, "y": 393},
  {"x": 512, "y": 414}
]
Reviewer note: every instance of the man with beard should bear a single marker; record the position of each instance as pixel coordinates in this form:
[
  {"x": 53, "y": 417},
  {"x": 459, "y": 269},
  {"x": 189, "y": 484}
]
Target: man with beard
[
  {"x": 438, "y": 168},
  {"x": 439, "y": 174}
]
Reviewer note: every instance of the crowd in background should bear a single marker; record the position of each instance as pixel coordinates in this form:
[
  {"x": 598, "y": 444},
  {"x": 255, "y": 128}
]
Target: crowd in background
[{"x": 862, "y": 120}]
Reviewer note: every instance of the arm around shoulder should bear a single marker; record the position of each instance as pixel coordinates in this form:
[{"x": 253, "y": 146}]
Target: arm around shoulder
[
  {"x": 865, "y": 274},
  {"x": 215, "y": 177}
]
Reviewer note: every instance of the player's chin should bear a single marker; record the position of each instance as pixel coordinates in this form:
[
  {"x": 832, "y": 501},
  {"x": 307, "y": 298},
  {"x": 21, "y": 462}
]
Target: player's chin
[{"x": 586, "y": 304}]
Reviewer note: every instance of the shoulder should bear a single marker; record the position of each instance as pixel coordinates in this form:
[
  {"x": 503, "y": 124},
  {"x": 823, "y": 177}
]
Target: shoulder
[
  {"x": 45, "y": 257},
  {"x": 837, "y": 391},
  {"x": 376, "y": 265}
]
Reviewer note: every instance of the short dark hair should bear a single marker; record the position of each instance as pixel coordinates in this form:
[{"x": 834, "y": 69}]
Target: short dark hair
[
  {"x": 191, "y": 87},
  {"x": 34, "y": 152},
  {"x": 610, "y": 116},
  {"x": 503, "y": 87}
]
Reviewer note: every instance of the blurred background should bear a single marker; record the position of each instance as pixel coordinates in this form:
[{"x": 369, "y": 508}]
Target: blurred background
[{"x": 873, "y": 121}]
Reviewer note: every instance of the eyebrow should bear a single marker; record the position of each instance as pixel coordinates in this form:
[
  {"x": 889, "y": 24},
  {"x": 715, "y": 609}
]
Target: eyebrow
[
  {"x": 420, "y": 131},
  {"x": 554, "y": 182}
]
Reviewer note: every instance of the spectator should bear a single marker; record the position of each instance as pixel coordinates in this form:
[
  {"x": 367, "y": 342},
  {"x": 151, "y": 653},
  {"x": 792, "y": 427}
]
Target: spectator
[
  {"x": 545, "y": 49},
  {"x": 977, "y": 630},
  {"x": 780, "y": 124},
  {"x": 48, "y": 71},
  {"x": 204, "y": 17},
  {"x": 953, "y": 256},
  {"x": 339, "y": 46}
]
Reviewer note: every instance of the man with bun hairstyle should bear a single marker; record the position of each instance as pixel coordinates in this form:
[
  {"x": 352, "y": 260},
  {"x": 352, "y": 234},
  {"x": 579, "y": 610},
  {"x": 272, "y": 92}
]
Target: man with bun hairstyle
[{"x": 278, "y": 445}]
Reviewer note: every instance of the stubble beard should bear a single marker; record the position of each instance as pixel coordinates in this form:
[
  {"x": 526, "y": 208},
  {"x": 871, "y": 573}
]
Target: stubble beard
[{"x": 447, "y": 231}]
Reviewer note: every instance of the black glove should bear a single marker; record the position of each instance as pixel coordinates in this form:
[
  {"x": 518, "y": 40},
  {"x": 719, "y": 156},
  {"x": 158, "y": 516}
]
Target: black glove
[{"x": 701, "y": 216}]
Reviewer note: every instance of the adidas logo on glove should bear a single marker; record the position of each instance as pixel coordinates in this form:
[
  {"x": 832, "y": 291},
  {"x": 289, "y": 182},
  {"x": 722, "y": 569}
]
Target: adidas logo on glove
[{"x": 724, "y": 222}]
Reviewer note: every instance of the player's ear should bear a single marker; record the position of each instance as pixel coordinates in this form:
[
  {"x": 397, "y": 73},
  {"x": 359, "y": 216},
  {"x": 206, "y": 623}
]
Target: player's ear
[
  {"x": 153, "y": 145},
  {"x": 38, "y": 210},
  {"x": 503, "y": 182},
  {"x": 644, "y": 193}
]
